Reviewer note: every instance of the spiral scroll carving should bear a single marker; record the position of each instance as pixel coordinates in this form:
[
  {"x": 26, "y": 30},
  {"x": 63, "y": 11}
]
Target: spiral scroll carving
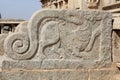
[
  {"x": 21, "y": 45},
  {"x": 17, "y": 45}
]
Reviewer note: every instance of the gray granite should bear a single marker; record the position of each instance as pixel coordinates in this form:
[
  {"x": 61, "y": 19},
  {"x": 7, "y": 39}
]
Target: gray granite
[
  {"x": 60, "y": 45},
  {"x": 46, "y": 75},
  {"x": 2, "y": 38}
]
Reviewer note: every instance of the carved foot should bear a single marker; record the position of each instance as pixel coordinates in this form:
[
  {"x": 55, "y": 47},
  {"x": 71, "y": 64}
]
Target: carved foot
[
  {"x": 61, "y": 53},
  {"x": 88, "y": 49}
]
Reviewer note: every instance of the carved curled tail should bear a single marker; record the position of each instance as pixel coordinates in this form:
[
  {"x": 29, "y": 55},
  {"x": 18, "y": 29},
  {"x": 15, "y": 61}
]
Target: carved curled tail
[{"x": 18, "y": 46}]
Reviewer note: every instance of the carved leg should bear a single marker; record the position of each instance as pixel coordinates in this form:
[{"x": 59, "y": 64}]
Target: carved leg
[
  {"x": 61, "y": 52},
  {"x": 95, "y": 34}
]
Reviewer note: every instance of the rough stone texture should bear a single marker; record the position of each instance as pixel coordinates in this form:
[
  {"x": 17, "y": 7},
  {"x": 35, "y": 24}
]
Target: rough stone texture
[
  {"x": 25, "y": 65},
  {"x": 2, "y": 38},
  {"x": 116, "y": 23},
  {"x": 60, "y": 45},
  {"x": 105, "y": 74},
  {"x": 71, "y": 4},
  {"x": 61, "y": 74},
  {"x": 71, "y": 35},
  {"x": 22, "y": 27},
  {"x": 20, "y": 75},
  {"x": 46, "y": 75},
  {"x": 116, "y": 46}
]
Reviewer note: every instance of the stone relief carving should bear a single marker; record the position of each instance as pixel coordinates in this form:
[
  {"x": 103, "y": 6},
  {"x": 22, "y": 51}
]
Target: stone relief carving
[
  {"x": 59, "y": 34},
  {"x": 78, "y": 39},
  {"x": 17, "y": 44}
]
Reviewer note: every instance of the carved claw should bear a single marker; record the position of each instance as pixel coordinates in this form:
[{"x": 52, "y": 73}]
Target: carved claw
[{"x": 88, "y": 49}]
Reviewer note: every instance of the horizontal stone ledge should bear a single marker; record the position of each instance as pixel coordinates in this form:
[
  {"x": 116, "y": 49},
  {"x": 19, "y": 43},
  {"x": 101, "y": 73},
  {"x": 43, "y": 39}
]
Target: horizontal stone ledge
[
  {"x": 49, "y": 64},
  {"x": 60, "y": 75},
  {"x": 67, "y": 75},
  {"x": 56, "y": 70}
]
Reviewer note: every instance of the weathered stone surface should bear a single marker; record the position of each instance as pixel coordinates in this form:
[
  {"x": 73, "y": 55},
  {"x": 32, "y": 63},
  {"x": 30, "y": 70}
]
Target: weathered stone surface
[
  {"x": 72, "y": 64},
  {"x": 24, "y": 65},
  {"x": 51, "y": 64},
  {"x": 61, "y": 74},
  {"x": 22, "y": 27},
  {"x": 70, "y": 36},
  {"x": 46, "y": 75},
  {"x": 2, "y": 38},
  {"x": 20, "y": 76},
  {"x": 116, "y": 46},
  {"x": 105, "y": 74},
  {"x": 60, "y": 45}
]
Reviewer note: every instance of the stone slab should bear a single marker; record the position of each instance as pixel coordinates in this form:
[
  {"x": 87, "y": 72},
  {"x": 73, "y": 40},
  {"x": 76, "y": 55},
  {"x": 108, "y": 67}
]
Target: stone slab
[
  {"x": 21, "y": 65},
  {"x": 117, "y": 77},
  {"x": 61, "y": 45},
  {"x": 52, "y": 64},
  {"x": 65, "y": 37},
  {"x": 103, "y": 74},
  {"x": 45, "y": 75},
  {"x": 116, "y": 46}
]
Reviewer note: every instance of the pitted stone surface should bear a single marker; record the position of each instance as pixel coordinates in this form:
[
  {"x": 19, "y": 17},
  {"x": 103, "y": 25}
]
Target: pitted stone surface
[
  {"x": 63, "y": 74},
  {"x": 69, "y": 35},
  {"x": 116, "y": 47},
  {"x": 105, "y": 74},
  {"x": 51, "y": 64},
  {"x": 46, "y": 75},
  {"x": 2, "y": 38},
  {"x": 60, "y": 45}
]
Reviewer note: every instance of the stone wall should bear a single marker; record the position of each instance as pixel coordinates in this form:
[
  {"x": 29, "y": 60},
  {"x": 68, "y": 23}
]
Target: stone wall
[
  {"x": 63, "y": 4},
  {"x": 109, "y": 5},
  {"x": 71, "y": 4}
]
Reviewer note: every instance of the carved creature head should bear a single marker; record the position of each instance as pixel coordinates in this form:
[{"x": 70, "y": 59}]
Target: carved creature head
[{"x": 73, "y": 17}]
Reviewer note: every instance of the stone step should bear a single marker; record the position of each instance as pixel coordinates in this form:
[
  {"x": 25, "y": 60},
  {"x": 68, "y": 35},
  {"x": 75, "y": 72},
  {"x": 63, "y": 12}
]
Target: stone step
[
  {"x": 59, "y": 74},
  {"x": 53, "y": 64}
]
